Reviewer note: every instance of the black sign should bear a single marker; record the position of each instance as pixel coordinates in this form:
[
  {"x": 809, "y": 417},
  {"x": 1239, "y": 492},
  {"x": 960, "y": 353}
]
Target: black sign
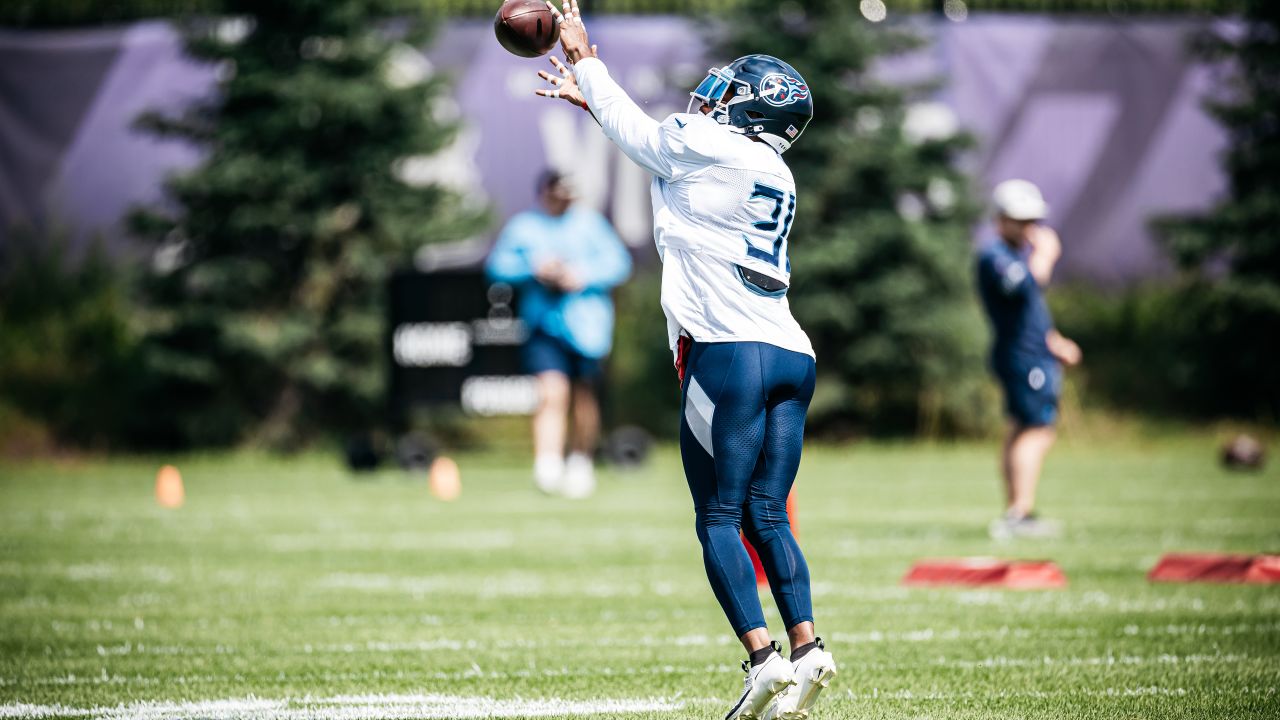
[{"x": 455, "y": 339}]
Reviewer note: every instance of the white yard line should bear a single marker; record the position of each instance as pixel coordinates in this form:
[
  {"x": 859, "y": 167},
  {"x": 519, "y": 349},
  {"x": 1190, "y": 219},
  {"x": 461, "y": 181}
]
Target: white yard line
[{"x": 346, "y": 707}]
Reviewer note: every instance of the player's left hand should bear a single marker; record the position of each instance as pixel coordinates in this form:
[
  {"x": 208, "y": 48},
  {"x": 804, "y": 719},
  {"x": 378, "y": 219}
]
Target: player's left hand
[
  {"x": 564, "y": 87},
  {"x": 573, "y": 34},
  {"x": 1063, "y": 348}
]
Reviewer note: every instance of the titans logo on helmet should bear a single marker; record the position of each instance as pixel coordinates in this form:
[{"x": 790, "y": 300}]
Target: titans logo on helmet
[{"x": 780, "y": 90}]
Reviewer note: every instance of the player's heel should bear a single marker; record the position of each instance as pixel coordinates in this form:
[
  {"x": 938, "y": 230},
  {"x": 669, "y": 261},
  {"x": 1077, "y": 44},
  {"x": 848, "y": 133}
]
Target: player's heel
[
  {"x": 814, "y": 674},
  {"x": 819, "y": 682}
]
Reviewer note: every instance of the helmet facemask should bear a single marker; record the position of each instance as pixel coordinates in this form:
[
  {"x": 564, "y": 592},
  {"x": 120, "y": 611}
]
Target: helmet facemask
[{"x": 713, "y": 90}]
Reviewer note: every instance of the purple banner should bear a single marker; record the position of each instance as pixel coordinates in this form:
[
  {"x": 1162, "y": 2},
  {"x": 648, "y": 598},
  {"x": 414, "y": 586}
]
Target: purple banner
[{"x": 1105, "y": 116}]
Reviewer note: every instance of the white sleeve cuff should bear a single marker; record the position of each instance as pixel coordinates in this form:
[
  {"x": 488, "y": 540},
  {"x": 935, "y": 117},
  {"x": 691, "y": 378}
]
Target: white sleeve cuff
[{"x": 586, "y": 64}]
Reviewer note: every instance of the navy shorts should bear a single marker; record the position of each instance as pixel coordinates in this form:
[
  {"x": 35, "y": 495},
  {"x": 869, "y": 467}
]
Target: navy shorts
[
  {"x": 1031, "y": 392},
  {"x": 543, "y": 353}
]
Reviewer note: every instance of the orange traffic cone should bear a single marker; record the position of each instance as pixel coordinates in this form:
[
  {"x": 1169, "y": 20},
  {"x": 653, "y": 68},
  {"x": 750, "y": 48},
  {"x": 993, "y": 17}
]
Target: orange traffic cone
[
  {"x": 761, "y": 579},
  {"x": 444, "y": 480},
  {"x": 169, "y": 492}
]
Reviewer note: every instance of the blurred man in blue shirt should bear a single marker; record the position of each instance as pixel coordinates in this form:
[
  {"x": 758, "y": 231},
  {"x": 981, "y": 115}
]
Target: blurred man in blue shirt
[
  {"x": 1028, "y": 353},
  {"x": 565, "y": 261}
]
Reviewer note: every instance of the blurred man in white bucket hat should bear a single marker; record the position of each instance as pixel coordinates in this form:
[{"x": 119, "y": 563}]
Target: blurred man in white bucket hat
[{"x": 1028, "y": 353}]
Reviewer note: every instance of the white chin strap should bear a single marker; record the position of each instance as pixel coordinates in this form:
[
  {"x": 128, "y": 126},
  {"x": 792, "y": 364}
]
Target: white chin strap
[{"x": 778, "y": 144}]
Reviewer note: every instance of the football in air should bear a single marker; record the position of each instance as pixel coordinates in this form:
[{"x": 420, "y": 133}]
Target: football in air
[{"x": 526, "y": 27}]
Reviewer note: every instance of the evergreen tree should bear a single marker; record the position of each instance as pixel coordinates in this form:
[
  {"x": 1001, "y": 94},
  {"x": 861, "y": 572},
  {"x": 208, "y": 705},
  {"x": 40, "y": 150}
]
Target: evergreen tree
[
  {"x": 66, "y": 348},
  {"x": 267, "y": 304},
  {"x": 881, "y": 247},
  {"x": 1231, "y": 302}
]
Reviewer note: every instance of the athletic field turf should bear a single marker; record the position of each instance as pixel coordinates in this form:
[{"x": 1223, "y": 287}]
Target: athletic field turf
[{"x": 284, "y": 589}]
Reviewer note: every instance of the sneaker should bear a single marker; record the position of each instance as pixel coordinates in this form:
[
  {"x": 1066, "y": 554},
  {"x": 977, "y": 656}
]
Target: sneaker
[
  {"x": 1001, "y": 528},
  {"x": 1008, "y": 527},
  {"x": 813, "y": 672},
  {"x": 761, "y": 688},
  {"x": 548, "y": 473},
  {"x": 579, "y": 477},
  {"x": 1036, "y": 527}
]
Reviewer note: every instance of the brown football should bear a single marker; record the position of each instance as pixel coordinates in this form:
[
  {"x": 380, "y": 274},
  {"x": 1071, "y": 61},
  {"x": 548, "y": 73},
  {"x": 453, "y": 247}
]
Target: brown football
[{"x": 526, "y": 27}]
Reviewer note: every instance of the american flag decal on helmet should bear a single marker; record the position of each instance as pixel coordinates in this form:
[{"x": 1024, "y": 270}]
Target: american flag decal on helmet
[{"x": 792, "y": 132}]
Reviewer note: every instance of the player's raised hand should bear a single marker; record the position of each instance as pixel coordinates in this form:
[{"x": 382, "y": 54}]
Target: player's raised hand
[
  {"x": 563, "y": 87},
  {"x": 1044, "y": 239},
  {"x": 573, "y": 33}
]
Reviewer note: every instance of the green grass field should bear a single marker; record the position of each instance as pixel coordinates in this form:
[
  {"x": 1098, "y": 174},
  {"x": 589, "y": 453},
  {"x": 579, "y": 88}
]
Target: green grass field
[{"x": 286, "y": 589}]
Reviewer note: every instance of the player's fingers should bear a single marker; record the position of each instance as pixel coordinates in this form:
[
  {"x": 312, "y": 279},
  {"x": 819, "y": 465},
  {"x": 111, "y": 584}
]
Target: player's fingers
[
  {"x": 546, "y": 76},
  {"x": 593, "y": 50},
  {"x": 560, "y": 66}
]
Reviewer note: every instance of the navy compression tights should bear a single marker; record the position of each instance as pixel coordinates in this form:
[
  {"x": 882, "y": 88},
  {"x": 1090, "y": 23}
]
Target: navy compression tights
[{"x": 741, "y": 433}]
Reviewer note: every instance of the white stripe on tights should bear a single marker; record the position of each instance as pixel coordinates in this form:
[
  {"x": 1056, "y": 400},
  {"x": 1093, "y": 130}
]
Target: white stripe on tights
[{"x": 699, "y": 412}]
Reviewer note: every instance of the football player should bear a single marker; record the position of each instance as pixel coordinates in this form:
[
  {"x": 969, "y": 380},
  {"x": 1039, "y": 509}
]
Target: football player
[{"x": 723, "y": 206}]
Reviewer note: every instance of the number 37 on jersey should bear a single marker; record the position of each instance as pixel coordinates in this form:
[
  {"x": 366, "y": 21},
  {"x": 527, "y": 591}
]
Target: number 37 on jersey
[{"x": 768, "y": 241}]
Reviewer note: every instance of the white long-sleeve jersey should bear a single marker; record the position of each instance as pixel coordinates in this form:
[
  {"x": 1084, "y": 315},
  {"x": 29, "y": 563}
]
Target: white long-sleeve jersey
[{"x": 720, "y": 201}]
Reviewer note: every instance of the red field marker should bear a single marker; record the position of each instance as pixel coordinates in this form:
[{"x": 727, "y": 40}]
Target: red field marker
[
  {"x": 977, "y": 572},
  {"x": 1265, "y": 569},
  {"x": 761, "y": 579},
  {"x": 1216, "y": 567}
]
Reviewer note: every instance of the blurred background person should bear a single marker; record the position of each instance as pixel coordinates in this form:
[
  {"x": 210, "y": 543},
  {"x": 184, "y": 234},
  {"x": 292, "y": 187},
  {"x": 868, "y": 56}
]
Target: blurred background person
[
  {"x": 1028, "y": 353},
  {"x": 565, "y": 260}
]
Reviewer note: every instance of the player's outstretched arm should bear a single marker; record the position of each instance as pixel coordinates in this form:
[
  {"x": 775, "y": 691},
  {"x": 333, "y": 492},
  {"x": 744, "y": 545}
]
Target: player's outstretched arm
[{"x": 634, "y": 132}]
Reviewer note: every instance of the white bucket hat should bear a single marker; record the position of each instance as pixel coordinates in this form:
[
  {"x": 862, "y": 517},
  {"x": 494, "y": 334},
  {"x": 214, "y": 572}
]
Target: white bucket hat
[{"x": 1019, "y": 200}]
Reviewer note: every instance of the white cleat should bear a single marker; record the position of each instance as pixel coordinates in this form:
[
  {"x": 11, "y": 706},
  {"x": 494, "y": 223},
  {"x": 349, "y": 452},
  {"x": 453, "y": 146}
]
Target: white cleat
[
  {"x": 760, "y": 691},
  {"x": 773, "y": 711},
  {"x": 813, "y": 672},
  {"x": 579, "y": 477},
  {"x": 548, "y": 473}
]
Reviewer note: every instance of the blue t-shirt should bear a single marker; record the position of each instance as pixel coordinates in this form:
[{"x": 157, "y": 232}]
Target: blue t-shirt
[
  {"x": 585, "y": 242},
  {"x": 1016, "y": 306}
]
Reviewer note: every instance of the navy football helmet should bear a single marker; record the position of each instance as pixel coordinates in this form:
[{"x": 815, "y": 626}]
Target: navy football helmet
[{"x": 769, "y": 100}]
